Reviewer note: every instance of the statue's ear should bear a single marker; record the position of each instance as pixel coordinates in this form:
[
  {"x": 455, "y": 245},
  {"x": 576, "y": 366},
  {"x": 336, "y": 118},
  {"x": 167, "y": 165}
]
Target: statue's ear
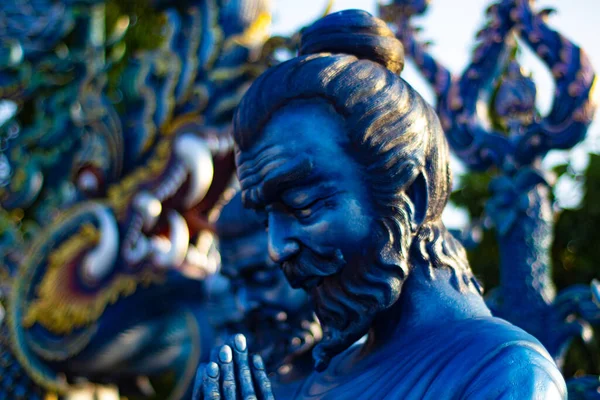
[{"x": 417, "y": 193}]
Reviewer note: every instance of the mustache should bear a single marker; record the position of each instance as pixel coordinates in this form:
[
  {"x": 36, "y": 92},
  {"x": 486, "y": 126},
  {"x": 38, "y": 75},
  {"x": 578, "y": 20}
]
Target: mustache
[{"x": 308, "y": 265}]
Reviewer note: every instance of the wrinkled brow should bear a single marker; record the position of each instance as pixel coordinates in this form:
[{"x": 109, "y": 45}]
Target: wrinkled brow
[{"x": 257, "y": 192}]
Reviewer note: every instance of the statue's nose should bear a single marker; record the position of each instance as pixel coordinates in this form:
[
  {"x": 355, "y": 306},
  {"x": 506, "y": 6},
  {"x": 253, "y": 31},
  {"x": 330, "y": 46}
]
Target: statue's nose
[
  {"x": 282, "y": 245},
  {"x": 283, "y": 251}
]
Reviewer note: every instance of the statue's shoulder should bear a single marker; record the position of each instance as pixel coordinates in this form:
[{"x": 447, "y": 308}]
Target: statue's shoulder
[
  {"x": 475, "y": 358},
  {"x": 509, "y": 364},
  {"x": 480, "y": 358}
]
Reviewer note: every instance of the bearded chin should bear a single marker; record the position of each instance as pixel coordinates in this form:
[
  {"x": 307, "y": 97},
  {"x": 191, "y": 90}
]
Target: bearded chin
[{"x": 347, "y": 303}]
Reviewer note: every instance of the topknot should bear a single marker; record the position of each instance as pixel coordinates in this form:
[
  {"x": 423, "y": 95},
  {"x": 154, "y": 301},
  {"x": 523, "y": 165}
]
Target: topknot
[{"x": 357, "y": 33}]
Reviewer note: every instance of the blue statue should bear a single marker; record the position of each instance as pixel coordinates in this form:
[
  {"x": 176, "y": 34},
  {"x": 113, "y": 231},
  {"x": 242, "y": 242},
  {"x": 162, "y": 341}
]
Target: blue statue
[
  {"x": 102, "y": 197},
  {"x": 350, "y": 167},
  {"x": 520, "y": 205},
  {"x": 277, "y": 320}
]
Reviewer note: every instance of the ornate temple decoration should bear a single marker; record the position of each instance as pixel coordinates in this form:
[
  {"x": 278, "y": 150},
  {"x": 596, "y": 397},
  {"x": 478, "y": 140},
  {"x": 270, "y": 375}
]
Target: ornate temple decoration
[{"x": 104, "y": 188}]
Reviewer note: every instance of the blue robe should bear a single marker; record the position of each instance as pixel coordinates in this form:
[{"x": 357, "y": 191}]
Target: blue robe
[{"x": 475, "y": 359}]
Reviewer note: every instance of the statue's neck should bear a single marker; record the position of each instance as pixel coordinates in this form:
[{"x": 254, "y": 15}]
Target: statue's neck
[{"x": 424, "y": 303}]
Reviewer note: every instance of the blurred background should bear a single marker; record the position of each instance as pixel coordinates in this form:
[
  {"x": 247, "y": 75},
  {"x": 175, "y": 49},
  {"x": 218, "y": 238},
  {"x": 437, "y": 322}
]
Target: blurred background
[{"x": 451, "y": 25}]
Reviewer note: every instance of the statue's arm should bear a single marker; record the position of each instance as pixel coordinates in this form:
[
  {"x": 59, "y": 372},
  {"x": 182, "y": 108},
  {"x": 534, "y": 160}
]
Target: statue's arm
[
  {"x": 572, "y": 109},
  {"x": 520, "y": 372}
]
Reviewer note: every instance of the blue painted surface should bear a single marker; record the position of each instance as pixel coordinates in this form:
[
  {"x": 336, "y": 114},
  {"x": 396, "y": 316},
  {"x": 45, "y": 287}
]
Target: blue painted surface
[{"x": 345, "y": 162}]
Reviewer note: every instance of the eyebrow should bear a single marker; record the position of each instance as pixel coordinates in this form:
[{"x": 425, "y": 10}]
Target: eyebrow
[
  {"x": 282, "y": 178},
  {"x": 307, "y": 194}
]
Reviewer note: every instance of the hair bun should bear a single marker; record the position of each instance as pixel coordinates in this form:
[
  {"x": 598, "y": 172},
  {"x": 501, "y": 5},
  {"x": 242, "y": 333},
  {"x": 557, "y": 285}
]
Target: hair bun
[{"x": 354, "y": 32}]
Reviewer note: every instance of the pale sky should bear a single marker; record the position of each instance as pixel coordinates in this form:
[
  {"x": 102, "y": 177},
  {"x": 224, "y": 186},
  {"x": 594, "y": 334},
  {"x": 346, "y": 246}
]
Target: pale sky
[{"x": 451, "y": 25}]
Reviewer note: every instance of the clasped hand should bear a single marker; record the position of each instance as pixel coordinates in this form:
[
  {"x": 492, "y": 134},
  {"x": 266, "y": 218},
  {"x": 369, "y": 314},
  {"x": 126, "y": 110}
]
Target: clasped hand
[{"x": 230, "y": 375}]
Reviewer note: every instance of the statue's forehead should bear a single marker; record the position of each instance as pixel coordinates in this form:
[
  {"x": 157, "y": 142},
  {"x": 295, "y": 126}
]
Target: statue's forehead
[
  {"x": 258, "y": 161},
  {"x": 271, "y": 171},
  {"x": 295, "y": 139}
]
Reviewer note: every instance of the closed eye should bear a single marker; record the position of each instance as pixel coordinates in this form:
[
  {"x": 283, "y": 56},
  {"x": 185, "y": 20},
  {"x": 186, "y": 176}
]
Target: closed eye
[
  {"x": 304, "y": 213},
  {"x": 307, "y": 210},
  {"x": 306, "y": 205}
]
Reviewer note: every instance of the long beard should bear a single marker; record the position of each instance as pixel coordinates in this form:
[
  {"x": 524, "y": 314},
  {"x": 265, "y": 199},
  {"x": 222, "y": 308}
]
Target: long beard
[
  {"x": 347, "y": 304},
  {"x": 350, "y": 295}
]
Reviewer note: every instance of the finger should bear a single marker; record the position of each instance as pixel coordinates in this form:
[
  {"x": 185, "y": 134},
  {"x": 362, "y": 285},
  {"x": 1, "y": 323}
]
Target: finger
[
  {"x": 197, "y": 393},
  {"x": 211, "y": 382},
  {"x": 242, "y": 367},
  {"x": 227, "y": 373},
  {"x": 265, "y": 392}
]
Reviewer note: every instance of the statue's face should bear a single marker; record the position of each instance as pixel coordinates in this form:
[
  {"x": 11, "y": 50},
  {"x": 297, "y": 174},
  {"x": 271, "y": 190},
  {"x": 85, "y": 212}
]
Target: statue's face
[
  {"x": 323, "y": 227},
  {"x": 258, "y": 283},
  {"x": 312, "y": 192}
]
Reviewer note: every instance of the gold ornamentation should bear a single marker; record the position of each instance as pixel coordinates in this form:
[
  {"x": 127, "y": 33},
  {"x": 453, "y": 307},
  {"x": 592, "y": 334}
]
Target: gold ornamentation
[
  {"x": 256, "y": 34},
  {"x": 56, "y": 310},
  {"x": 119, "y": 195}
]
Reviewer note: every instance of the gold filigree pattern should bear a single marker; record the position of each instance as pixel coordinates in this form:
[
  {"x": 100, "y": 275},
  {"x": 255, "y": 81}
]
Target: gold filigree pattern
[
  {"x": 119, "y": 195},
  {"x": 56, "y": 310}
]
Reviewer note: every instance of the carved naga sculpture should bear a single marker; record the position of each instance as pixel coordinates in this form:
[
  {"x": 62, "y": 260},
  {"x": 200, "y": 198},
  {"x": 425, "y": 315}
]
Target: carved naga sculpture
[
  {"x": 102, "y": 200},
  {"x": 520, "y": 205},
  {"x": 350, "y": 167}
]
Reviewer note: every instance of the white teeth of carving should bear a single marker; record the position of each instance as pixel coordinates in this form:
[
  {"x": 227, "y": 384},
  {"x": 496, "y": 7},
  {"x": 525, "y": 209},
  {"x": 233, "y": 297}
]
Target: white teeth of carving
[
  {"x": 212, "y": 142},
  {"x": 226, "y": 144},
  {"x": 197, "y": 158},
  {"x": 171, "y": 252},
  {"x": 136, "y": 250},
  {"x": 149, "y": 208},
  {"x": 194, "y": 257},
  {"x": 101, "y": 260},
  {"x": 173, "y": 184},
  {"x": 198, "y": 264},
  {"x": 166, "y": 190},
  {"x": 159, "y": 246}
]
